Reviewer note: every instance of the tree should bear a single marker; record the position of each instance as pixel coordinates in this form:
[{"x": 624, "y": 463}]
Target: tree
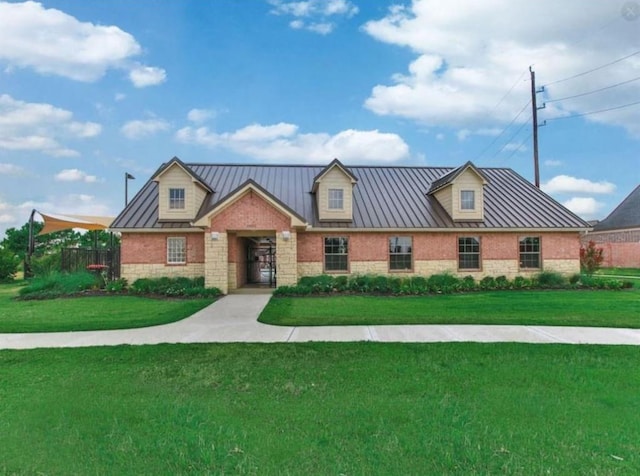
[
  {"x": 590, "y": 258},
  {"x": 8, "y": 265},
  {"x": 17, "y": 240}
]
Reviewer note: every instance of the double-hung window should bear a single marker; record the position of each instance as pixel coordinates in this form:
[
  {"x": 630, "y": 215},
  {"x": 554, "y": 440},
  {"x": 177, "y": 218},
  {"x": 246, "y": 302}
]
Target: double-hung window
[
  {"x": 176, "y": 250},
  {"x": 467, "y": 200},
  {"x": 336, "y": 199},
  {"x": 336, "y": 253},
  {"x": 468, "y": 252},
  {"x": 176, "y": 198},
  {"x": 530, "y": 252},
  {"x": 400, "y": 253}
]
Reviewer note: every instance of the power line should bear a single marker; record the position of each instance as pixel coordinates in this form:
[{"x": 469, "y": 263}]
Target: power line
[
  {"x": 594, "y": 91},
  {"x": 495, "y": 139},
  {"x": 519, "y": 146},
  {"x": 592, "y": 70},
  {"x": 509, "y": 92},
  {"x": 595, "y": 112},
  {"x": 513, "y": 136}
]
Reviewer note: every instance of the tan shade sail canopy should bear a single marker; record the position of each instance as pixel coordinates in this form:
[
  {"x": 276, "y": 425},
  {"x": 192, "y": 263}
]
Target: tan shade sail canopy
[{"x": 64, "y": 222}]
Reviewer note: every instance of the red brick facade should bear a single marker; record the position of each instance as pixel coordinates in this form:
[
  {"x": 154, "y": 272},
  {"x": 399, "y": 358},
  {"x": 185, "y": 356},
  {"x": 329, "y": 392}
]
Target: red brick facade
[
  {"x": 151, "y": 248},
  {"x": 251, "y": 212},
  {"x": 621, "y": 249},
  {"x": 439, "y": 246}
]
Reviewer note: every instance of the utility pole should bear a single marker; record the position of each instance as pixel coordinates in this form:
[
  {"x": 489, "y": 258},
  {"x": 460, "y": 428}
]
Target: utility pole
[
  {"x": 534, "y": 110},
  {"x": 534, "y": 115}
]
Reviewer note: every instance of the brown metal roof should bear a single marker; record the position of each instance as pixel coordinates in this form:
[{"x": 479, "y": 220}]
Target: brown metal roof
[{"x": 386, "y": 197}]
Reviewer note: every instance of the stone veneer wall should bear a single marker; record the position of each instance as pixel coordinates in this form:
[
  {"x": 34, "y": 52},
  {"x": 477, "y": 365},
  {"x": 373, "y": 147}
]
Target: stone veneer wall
[
  {"x": 286, "y": 259},
  {"x": 132, "y": 272},
  {"x": 216, "y": 272}
]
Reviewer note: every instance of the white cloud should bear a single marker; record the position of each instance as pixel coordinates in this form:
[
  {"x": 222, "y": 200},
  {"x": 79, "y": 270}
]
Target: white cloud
[
  {"x": 75, "y": 175},
  {"x": 119, "y": 96},
  {"x": 50, "y": 41},
  {"x": 143, "y": 76},
  {"x": 553, "y": 163},
  {"x": 285, "y": 143},
  {"x": 519, "y": 146},
  {"x": 10, "y": 169},
  {"x": 316, "y": 13},
  {"x": 568, "y": 184},
  {"x": 40, "y": 127},
  {"x": 586, "y": 207},
  {"x": 468, "y": 57},
  {"x": 143, "y": 128},
  {"x": 198, "y": 116}
]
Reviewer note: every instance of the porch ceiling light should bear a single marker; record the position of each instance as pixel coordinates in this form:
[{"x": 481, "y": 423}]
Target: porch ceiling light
[{"x": 286, "y": 235}]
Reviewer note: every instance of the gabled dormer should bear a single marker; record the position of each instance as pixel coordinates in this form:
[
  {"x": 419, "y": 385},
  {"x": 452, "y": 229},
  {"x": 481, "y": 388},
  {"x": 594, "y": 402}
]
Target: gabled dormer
[
  {"x": 180, "y": 192},
  {"x": 333, "y": 188},
  {"x": 461, "y": 193}
]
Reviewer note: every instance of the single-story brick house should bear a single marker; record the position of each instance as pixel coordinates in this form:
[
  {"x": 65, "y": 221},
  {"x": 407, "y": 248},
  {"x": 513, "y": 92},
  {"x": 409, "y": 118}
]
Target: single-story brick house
[
  {"x": 619, "y": 234},
  {"x": 242, "y": 224}
]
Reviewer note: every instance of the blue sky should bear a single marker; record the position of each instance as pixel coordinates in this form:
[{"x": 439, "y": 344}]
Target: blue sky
[{"x": 92, "y": 90}]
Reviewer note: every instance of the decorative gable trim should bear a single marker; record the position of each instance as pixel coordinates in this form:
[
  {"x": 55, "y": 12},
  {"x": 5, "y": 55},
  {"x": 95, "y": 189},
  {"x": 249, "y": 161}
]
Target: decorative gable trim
[
  {"x": 232, "y": 197},
  {"x": 334, "y": 163},
  {"x": 450, "y": 177},
  {"x": 176, "y": 162}
]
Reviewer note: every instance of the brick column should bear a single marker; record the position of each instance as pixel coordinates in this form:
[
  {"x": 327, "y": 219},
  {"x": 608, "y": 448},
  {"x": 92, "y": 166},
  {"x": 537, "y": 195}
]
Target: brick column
[
  {"x": 286, "y": 259},
  {"x": 216, "y": 255}
]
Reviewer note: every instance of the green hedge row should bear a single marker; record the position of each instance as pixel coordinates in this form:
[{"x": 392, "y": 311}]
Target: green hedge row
[
  {"x": 72, "y": 284},
  {"x": 440, "y": 284}
]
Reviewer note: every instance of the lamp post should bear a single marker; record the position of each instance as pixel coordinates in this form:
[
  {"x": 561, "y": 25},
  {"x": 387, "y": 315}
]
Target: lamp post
[{"x": 127, "y": 177}]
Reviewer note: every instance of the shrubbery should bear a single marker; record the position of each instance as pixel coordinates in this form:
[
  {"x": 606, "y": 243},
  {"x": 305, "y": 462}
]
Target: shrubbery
[
  {"x": 69, "y": 284},
  {"x": 59, "y": 284},
  {"x": 440, "y": 284},
  {"x": 173, "y": 287}
]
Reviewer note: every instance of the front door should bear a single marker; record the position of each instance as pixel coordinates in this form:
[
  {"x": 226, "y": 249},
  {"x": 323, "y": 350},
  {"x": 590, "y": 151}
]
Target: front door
[{"x": 261, "y": 262}]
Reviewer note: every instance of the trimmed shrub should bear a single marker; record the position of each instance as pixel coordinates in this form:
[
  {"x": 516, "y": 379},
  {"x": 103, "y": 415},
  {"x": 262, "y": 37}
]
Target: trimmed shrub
[
  {"x": 550, "y": 279},
  {"x": 444, "y": 283},
  {"x": 173, "y": 287},
  {"x": 468, "y": 283},
  {"x": 116, "y": 286},
  {"x": 520, "y": 282},
  {"x": 488, "y": 283},
  {"x": 502, "y": 282}
]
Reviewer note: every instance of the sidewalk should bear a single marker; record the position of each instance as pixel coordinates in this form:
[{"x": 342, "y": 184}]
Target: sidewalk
[{"x": 234, "y": 319}]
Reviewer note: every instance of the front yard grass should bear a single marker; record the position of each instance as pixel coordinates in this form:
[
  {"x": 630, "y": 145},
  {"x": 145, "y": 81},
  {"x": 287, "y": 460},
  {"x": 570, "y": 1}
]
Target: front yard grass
[
  {"x": 90, "y": 313},
  {"x": 555, "y": 308},
  {"x": 321, "y": 408}
]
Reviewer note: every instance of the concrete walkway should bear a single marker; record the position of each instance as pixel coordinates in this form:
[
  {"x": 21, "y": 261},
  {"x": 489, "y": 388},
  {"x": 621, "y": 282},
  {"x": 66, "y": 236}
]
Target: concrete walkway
[{"x": 233, "y": 319}]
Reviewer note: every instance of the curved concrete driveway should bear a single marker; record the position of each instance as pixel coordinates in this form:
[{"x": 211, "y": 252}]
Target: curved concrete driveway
[{"x": 233, "y": 319}]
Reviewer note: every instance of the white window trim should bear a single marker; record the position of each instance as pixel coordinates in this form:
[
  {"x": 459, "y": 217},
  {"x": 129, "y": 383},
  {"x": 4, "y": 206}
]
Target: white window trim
[
  {"x": 330, "y": 199},
  {"x": 183, "y": 200},
  {"x": 175, "y": 239},
  {"x": 462, "y": 208}
]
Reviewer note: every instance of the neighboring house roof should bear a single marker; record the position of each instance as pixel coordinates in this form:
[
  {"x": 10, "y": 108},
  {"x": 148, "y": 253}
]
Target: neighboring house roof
[
  {"x": 626, "y": 215},
  {"x": 449, "y": 177},
  {"x": 386, "y": 197}
]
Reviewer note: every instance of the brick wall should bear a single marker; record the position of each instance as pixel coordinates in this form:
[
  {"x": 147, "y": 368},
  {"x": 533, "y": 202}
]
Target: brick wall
[
  {"x": 621, "y": 249},
  {"x": 151, "y": 248},
  {"x": 250, "y": 212},
  {"x": 438, "y": 252}
]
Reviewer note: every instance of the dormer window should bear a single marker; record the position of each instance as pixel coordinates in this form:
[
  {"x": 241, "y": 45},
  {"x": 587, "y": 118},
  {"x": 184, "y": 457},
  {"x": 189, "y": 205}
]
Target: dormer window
[
  {"x": 176, "y": 199},
  {"x": 336, "y": 199},
  {"x": 467, "y": 200}
]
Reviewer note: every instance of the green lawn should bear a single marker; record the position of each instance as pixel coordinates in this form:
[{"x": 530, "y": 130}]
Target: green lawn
[
  {"x": 627, "y": 272},
  {"x": 90, "y": 313},
  {"x": 567, "y": 308},
  {"x": 321, "y": 408}
]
